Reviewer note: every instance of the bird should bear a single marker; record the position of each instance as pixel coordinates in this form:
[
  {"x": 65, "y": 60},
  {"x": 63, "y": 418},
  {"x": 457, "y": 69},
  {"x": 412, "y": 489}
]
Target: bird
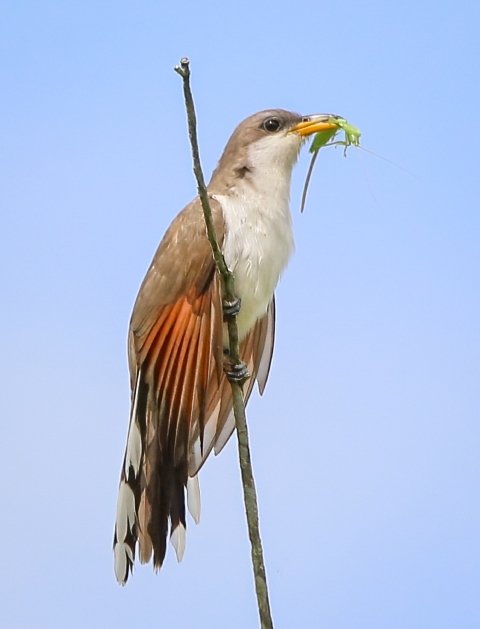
[{"x": 181, "y": 399}]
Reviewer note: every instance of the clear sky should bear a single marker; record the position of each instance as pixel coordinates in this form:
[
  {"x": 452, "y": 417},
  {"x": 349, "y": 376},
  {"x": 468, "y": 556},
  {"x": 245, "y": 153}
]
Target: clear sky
[{"x": 366, "y": 442}]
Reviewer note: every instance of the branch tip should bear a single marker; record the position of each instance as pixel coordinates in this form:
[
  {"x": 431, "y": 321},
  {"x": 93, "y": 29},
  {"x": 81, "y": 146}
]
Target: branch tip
[{"x": 184, "y": 68}]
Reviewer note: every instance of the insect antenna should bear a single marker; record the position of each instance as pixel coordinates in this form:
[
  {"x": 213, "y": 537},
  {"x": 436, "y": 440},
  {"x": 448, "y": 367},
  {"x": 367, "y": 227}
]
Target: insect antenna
[
  {"x": 388, "y": 160},
  {"x": 366, "y": 177}
]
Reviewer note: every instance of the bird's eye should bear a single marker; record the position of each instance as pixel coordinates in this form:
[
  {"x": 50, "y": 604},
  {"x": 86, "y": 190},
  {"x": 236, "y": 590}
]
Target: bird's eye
[{"x": 271, "y": 125}]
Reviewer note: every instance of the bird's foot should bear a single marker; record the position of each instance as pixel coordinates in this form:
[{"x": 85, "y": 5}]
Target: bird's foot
[
  {"x": 237, "y": 373},
  {"x": 231, "y": 308}
]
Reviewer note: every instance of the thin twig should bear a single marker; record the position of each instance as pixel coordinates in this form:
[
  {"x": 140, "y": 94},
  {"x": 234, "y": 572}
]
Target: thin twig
[{"x": 249, "y": 493}]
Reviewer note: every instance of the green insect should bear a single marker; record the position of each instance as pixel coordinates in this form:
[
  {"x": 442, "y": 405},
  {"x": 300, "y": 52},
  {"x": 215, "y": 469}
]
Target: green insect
[
  {"x": 323, "y": 138},
  {"x": 327, "y": 138}
]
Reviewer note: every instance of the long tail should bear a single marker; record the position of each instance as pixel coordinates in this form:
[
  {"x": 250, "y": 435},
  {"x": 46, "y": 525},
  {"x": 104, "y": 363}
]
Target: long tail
[{"x": 151, "y": 496}]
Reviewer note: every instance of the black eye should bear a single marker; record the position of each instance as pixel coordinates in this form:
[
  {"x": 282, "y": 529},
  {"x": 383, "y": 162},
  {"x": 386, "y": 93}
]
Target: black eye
[{"x": 271, "y": 125}]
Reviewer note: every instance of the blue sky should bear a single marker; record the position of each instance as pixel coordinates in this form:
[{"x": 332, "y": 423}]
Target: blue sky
[{"x": 366, "y": 441}]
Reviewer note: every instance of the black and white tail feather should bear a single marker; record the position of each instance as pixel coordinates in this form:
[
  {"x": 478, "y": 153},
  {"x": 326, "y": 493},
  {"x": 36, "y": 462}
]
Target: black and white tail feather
[
  {"x": 151, "y": 497},
  {"x": 133, "y": 480}
]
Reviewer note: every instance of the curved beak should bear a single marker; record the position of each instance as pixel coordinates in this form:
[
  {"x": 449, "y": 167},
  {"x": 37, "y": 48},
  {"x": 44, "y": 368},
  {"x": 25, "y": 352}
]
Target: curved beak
[{"x": 314, "y": 123}]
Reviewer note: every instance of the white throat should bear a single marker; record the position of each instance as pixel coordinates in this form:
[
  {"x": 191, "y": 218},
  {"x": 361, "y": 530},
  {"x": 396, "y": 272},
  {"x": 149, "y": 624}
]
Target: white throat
[{"x": 258, "y": 237}]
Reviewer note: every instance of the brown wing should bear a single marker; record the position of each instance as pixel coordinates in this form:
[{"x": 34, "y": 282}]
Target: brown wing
[{"x": 181, "y": 400}]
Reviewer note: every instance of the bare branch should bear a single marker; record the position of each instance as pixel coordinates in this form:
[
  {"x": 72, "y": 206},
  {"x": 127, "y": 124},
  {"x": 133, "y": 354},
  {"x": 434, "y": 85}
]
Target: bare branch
[{"x": 229, "y": 297}]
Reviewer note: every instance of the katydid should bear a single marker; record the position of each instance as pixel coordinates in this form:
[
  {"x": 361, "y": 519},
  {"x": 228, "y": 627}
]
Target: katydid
[{"x": 326, "y": 138}]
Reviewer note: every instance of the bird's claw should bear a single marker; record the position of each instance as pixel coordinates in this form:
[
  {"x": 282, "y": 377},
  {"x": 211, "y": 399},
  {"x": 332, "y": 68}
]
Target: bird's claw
[
  {"x": 237, "y": 373},
  {"x": 231, "y": 308}
]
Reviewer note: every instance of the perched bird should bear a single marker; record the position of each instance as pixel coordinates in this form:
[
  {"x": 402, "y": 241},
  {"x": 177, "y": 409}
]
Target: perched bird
[{"x": 181, "y": 400}]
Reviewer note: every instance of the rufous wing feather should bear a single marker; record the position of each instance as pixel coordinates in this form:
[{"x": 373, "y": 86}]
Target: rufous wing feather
[{"x": 181, "y": 398}]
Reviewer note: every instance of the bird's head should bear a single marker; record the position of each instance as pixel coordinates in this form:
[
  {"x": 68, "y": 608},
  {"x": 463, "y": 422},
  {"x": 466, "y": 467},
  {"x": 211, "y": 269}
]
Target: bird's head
[{"x": 267, "y": 142}]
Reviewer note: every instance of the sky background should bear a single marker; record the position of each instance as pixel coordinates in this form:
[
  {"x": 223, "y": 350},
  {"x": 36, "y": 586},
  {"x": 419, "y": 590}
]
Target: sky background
[{"x": 366, "y": 442}]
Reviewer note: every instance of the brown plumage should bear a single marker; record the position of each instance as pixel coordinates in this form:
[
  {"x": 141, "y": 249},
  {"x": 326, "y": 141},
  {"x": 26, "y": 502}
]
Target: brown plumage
[{"x": 181, "y": 398}]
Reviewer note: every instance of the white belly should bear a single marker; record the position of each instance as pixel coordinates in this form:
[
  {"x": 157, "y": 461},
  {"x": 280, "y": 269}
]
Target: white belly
[{"x": 258, "y": 244}]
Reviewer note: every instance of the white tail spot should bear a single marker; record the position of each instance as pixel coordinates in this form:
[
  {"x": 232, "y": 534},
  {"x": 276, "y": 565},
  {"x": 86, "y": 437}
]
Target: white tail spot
[
  {"x": 193, "y": 498},
  {"x": 120, "y": 562},
  {"x": 178, "y": 538},
  {"x": 125, "y": 511},
  {"x": 134, "y": 448}
]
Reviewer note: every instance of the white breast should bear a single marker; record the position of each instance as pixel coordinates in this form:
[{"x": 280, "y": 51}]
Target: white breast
[{"x": 259, "y": 238}]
